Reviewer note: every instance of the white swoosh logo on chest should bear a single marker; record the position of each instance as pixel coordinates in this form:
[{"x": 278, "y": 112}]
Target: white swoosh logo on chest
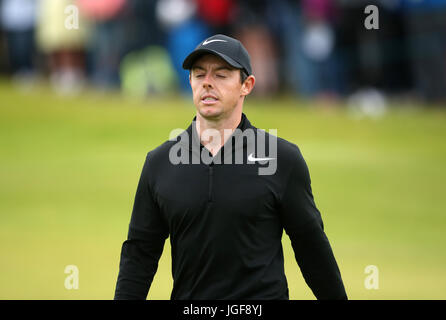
[{"x": 251, "y": 158}]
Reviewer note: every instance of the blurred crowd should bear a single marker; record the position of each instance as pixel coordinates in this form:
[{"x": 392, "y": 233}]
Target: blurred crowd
[{"x": 307, "y": 48}]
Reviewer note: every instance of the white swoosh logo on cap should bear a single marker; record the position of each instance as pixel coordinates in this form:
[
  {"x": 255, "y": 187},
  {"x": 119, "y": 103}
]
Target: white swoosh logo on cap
[
  {"x": 213, "y": 40},
  {"x": 251, "y": 158}
]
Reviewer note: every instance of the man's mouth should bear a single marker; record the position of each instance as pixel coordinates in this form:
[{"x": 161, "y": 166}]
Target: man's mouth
[{"x": 209, "y": 99}]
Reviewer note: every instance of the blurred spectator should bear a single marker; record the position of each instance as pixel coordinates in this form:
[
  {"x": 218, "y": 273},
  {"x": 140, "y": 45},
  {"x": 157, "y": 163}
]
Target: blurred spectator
[
  {"x": 61, "y": 36},
  {"x": 318, "y": 65},
  {"x": 252, "y": 28},
  {"x": 18, "y": 18},
  {"x": 426, "y": 26},
  {"x": 307, "y": 32},
  {"x": 107, "y": 40},
  {"x": 118, "y": 28},
  {"x": 261, "y": 46},
  {"x": 184, "y": 31},
  {"x": 147, "y": 72},
  {"x": 142, "y": 26},
  {"x": 373, "y": 58},
  {"x": 217, "y": 14}
]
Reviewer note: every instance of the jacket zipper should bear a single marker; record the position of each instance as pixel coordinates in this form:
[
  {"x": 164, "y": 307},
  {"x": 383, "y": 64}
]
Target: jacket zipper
[{"x": 211, "y": 176}]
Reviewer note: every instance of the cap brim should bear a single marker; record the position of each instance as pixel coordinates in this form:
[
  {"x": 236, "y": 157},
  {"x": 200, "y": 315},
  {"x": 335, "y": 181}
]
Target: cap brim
[{"x": 194, "y": 55}]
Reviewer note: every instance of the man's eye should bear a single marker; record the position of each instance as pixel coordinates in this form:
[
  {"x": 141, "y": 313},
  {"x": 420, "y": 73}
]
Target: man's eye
[
  {"x": 199, "y": 76},
  {"x": 221, "y": 76}
]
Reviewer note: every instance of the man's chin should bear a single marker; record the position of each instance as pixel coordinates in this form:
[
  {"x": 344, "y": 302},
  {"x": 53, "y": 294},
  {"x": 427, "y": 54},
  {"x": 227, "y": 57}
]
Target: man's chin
[{"x": 210, "y": 113}]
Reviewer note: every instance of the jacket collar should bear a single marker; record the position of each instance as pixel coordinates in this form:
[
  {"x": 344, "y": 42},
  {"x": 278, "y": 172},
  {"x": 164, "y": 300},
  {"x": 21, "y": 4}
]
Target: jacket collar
[{"x": 193, "y": 141}]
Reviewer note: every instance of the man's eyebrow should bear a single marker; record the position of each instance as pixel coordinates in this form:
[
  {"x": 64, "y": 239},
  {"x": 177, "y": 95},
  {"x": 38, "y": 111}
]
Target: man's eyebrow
[{"x": 224, "y": 68}]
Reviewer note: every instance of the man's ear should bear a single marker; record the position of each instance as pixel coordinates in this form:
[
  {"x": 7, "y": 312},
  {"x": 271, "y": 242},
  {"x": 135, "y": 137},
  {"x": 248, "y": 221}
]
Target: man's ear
[{"x": 248, "y": 85}]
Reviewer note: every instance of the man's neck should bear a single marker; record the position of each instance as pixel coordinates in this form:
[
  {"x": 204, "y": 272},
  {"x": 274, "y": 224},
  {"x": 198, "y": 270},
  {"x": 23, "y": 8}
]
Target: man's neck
[{"x": 214, "y": 133}]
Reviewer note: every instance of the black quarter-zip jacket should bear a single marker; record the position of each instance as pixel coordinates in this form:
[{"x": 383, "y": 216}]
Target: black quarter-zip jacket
[{"x": 225, "y": 223}]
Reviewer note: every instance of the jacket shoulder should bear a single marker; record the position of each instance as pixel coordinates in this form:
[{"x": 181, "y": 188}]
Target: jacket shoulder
[
  {"x": 290, "y": 158},
  {"x": 157, "y": 157},
  {"x": 288, "y": 150}
]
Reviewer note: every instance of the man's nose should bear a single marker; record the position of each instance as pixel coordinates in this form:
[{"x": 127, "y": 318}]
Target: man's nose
[{"x": 207, "y": 81}]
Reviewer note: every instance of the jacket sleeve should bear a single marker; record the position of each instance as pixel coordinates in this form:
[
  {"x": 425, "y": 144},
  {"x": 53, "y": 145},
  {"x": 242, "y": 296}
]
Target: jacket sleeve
[
  {"x": 142, "y": 250},
  {"x": 303, "y": 224}
]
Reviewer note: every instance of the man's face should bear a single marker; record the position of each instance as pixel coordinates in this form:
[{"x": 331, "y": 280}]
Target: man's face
[{"x": 216, "y": 87}]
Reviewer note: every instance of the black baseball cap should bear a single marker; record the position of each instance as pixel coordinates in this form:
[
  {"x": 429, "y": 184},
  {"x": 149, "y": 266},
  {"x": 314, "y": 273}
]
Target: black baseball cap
[{"x": 229, "y": 49}]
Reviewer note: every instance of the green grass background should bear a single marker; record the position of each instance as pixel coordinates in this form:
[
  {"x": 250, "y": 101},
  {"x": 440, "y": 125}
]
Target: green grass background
[{"x": 69, "y": 169}]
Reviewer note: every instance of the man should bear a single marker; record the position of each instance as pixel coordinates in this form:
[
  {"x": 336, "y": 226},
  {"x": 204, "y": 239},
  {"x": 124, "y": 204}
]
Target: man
[{"x": 225, "y": 217}]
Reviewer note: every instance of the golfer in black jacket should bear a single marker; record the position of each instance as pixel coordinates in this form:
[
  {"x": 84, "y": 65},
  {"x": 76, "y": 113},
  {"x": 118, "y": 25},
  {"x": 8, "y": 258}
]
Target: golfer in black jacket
[{"x": 224, "y": 191}]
